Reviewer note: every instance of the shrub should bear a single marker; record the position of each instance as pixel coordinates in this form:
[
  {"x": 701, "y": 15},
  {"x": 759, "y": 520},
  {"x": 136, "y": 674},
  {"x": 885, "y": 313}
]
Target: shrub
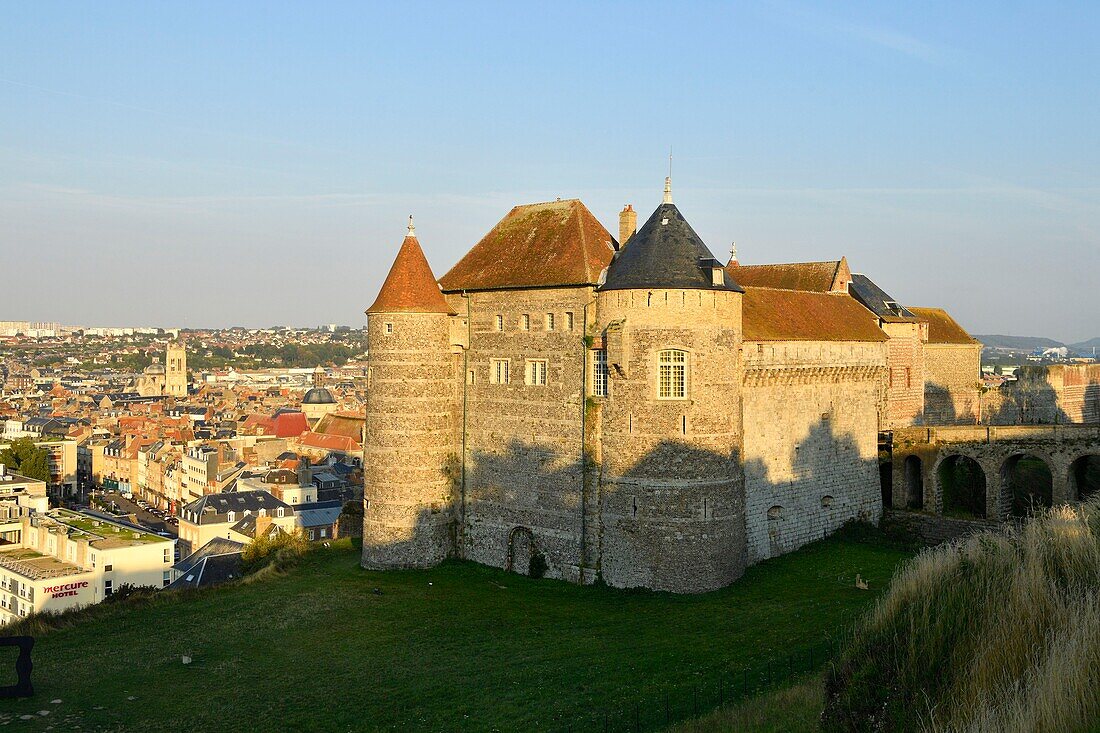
[
  {"x": 997, "y": 632},
  {"x": 277, "y": 553}
]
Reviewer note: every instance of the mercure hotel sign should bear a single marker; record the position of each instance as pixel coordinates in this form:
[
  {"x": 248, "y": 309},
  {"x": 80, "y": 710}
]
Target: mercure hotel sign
[{"x": 64, "y": 590}]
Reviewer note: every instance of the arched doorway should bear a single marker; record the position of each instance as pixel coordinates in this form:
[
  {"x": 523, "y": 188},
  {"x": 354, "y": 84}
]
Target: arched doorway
[
  {"x": 1028, "y": 483},
  {"x": 962, "y": 486},
  {"x": 914, "y": 483},
  {"x": 1084, "y": 478}
]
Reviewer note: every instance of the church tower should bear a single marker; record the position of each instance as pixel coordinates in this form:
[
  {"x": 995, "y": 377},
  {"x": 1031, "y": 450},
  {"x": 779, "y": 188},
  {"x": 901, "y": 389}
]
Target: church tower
[
  {"x": 672, "y": 499},
  {"x": 175, "y": 370},
  {"x": 412, "y": 413}
]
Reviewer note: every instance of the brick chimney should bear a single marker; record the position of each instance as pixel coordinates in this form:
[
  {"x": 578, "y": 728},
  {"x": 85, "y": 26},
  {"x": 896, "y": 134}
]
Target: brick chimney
[{"x": 628, "y": 224}]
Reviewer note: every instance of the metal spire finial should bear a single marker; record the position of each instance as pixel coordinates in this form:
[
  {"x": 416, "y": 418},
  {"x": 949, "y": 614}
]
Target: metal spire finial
[
  {"x": 733, "y": 251},
  {"x": 668, "y": 179},
  {"x": 412, "y": 229}
]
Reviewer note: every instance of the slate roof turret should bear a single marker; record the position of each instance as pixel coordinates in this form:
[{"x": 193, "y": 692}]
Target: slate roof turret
[{"x": 666, "y": 253}]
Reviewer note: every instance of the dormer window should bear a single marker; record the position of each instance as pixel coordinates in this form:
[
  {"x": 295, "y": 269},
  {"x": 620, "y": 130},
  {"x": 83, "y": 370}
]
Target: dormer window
[
  {"x": 232, "y": 517},
  {"x": 279, "y": 512}
]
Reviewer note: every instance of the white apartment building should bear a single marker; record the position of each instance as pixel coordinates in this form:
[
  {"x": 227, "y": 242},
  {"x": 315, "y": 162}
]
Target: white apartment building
[{"x": 63, "y": 559}]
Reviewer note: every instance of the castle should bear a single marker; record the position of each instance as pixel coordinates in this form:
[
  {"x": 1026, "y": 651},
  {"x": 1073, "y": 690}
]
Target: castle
[{"x": 635, "y": 410}]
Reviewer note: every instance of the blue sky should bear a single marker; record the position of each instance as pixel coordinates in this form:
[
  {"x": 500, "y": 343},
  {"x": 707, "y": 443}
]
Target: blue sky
[{"x": 244, "y": 163}]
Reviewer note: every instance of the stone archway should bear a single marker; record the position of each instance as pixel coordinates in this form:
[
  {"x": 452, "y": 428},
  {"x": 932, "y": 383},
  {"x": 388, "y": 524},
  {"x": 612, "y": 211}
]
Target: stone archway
[
  {"x": 962, "y": 487},
  {"x": 1027, "y": 484},
  {"x": 914, "y": 482},
  {"x": 1084, "y": 478},
  {"x": 521, "y": 550}
]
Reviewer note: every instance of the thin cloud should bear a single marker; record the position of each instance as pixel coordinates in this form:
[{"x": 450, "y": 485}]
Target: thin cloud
[{"x": 815, "y": 21}]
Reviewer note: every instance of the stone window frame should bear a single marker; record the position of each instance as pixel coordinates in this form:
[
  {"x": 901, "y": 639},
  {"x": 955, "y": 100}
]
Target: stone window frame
[
  {"x": 387, "y": 328},
  {"x": 550, "y": 322},
  {"x": 500, "y": 371},
  {"x": 599, "y": 373},
  {"x": 686, "y": 379},
  {"x": 569, "y": 320},
  {"x": 535, "y": 372},
  {"x": 525, "y": 322},
  {"x": 498, "y": 323}
]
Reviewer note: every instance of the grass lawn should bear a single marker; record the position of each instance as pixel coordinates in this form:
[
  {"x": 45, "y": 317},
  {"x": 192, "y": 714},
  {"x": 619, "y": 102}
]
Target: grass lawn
[{"x": 458, "y": 647}]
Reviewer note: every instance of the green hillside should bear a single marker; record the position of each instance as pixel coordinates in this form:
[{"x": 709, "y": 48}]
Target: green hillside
[{"x": 329, "y": 646}]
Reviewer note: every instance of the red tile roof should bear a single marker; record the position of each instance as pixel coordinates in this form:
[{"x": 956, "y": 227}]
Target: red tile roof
[
  {"x": 410, "y": 287},
  {"x": 942, "y": 328},
  {"x": 771, "y": 314},
  {"x": 816, "y": 277},
  {"x": 328, "y": 442},
  {"x": 536, "y": 245},
  {"x": 290, "y": 424}
]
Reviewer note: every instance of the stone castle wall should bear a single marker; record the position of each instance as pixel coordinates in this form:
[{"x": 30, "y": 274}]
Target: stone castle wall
[
  {"x": 411, "y": 439},
  {"x": 951, "y": 383},
  {"x": 1065, "y": 393},
  {"x": 523, "y": 457},
  {"x": 811, "y": 412},
  {"x": 672, "y": 492}
]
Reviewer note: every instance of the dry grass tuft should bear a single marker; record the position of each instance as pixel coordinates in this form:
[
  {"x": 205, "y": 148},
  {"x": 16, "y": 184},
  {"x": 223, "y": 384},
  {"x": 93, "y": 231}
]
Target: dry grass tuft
[{"x": 997, "y": 632}]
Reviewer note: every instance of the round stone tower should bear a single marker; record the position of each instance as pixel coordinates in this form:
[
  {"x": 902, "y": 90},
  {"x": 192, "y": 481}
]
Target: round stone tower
[
  {"x": 410, "y": 418},
  {"x": 672, "y": 500}
]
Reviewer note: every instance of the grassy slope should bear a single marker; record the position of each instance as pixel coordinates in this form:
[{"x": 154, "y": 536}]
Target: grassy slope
[
  {"x": 793, "y": 709},
  {"x": 461, "y": 646}
]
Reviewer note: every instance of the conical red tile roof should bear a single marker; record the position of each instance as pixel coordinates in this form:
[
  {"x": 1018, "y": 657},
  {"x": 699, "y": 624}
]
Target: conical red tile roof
[{"x": 410, "y": 287}]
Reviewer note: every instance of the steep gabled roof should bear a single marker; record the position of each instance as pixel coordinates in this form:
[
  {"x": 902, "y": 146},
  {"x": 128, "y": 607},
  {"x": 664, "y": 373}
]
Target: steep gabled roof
[
  {"x": 942, "y": 328},
  {"x": 665, "y": 253},
  {"x": 410, "y": 287},
  {"x": 770, "y": 314},
  {"x": 814, "y": 277},
  {"x": 535, "y": 246},
  {"x": 877, "y": 300}
]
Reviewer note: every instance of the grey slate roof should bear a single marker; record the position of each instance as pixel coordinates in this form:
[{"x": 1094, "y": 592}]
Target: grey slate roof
[
  {"x": 215, "y": 508},
  {"x": 875, "y": 299},
  {"x": 218, "y": 561},
  {"x": 665, "y": 253},
  {"x": 318, "y": 514}
]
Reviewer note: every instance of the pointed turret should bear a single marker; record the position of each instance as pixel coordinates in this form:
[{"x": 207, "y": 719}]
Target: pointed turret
[
  {"x": 410, "y": 287},
  {"x": 410, "y": 417}
]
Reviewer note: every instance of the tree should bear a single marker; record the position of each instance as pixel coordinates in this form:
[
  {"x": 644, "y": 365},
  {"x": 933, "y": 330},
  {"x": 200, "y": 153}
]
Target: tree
[{"x": 26, "y": 458}]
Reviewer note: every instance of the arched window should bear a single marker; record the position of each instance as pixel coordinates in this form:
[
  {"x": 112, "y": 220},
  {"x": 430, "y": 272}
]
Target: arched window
[
  {"x": 672, "y": 374},
  {"x": 232, "y": 517}
]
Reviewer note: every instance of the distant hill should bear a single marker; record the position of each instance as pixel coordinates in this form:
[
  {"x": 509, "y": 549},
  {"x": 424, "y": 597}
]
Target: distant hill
[
  {"x": 1086, "y": 346},
  {"x": 1020, "y": 343}
]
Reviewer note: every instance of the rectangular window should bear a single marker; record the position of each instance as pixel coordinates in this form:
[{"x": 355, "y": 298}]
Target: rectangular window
[
  {"x": 500, "y": 323},
  {"x": 389, "y": 328},
  {"x": 107, "y": 588},
  {"x": 168, "y": 554},
  {"x": 324, "y": 532},
  {"x": 108, "y": 568},
  {"x": 167, "y": 578},
  {"x": 310, "y": 534},
  {"x": 525, "y": 322},
  {"x": 549, "y": 321},
  {"x": 672, "y": 375},
  {"x": 470, "y": 376},
  {"x": 568, "y": 321},
  {"x": 499, "y": 371},
  {"x": 536, "y": 372},
  {"x": 599, "y": 372}
]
